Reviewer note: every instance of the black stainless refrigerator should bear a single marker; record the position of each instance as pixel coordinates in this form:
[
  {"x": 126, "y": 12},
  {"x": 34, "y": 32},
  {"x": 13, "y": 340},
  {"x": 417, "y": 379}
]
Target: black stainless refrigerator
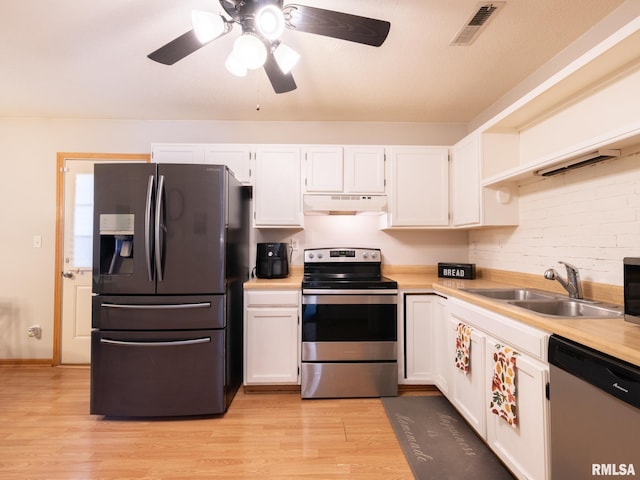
[{"x": 170, "y": 256}]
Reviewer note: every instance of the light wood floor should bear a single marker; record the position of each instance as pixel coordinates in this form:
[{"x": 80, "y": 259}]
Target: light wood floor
[{"x": 47, "y": 433}]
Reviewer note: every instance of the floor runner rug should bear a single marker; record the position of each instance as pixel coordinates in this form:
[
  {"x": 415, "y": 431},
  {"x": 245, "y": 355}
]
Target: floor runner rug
[{"x": 438, "y": 443}]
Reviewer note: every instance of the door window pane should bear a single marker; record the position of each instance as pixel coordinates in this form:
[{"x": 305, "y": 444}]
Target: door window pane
[{"x": 83, "y": 221}]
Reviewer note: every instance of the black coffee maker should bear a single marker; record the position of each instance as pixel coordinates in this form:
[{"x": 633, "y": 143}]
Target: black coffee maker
[{"x": 272, "y": 260}]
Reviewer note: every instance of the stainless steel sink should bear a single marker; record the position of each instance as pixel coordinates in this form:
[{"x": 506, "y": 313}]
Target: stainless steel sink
[
  {"x": 549, "y": 304},
  {"x": 511, "y": 293},
  {"x": 569, "y": 308}
]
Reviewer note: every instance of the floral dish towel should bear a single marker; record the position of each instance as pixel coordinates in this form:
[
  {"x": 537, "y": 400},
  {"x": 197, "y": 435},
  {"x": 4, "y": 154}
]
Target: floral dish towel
[
  {"x": 463, "y": 347},
  {"x": 503, "y": 385}
]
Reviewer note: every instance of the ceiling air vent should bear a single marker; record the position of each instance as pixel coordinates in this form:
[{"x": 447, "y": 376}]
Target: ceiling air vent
[
  {"x": 581, "y": 161},
  {"x": 469, "y": 32}
]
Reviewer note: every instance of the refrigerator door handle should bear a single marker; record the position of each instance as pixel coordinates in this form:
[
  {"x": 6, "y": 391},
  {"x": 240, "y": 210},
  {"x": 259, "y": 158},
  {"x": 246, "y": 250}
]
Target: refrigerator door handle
[
  {"x": 158, "y": 240},
  {"x": 195, "y": 341},
  {"x": 157, "y": 307},
  {"x": 147, "y": 227}
]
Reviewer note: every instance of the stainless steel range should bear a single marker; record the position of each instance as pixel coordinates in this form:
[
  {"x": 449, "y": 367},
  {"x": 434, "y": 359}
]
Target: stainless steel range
[{"x": 349, "y": 325}]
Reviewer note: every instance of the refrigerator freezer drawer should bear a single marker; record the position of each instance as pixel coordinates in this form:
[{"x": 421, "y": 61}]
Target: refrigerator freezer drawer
[
  {"x": 112, "y": 312},
  {"x": 152, "y": 374}
]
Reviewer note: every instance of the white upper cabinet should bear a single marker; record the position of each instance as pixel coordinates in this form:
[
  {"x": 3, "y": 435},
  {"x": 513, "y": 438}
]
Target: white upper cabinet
[
  {"x": 324, "y": 169},
  {"x": 465, "y": 181},
  {"x": 364, "y": 170},
  {"x": 471, "y": 204},
  {"x": 277, "y": 199},
  {"x": 236, "y": 157},
  {"x": 177, "y": 152},
  {"x": 334, "y": 169},
  {"x": 419, "y": 187}
]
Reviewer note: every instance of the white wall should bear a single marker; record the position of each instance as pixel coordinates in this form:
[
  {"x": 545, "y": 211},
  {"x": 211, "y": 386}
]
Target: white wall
[
  {"x": 398, "y": 247},
  {"x": 28, "y": 198},
  {"x": 589, "y": 217}
]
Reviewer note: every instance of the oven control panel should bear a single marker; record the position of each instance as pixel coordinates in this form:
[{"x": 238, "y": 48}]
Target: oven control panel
[{"x": 330, "y": 255}]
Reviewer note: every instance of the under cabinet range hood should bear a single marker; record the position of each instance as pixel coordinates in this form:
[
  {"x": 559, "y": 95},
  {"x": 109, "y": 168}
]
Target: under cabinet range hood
[
  {"x": 344, "y": 204},
  {"x": 577, "y": 162}
]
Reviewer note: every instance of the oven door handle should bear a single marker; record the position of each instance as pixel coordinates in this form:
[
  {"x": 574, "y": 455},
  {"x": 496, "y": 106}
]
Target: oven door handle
[{"x": 349, "y": 299}]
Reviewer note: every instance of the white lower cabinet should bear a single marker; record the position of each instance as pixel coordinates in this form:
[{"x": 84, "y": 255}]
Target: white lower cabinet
[
  {"x": 469, "y": 390},
  {"x": 271, "y": 337},
  {"x": 442, "y": 345},
  {"x": 524, "y": 448},
  {"x": 417, "y": 338}
]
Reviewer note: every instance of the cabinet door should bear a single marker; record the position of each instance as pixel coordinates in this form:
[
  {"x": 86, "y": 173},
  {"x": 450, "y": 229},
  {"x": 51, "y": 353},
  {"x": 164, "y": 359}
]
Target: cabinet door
[
  {"x": 465, "y": 181},
  {"x": 419, "y": 187},
  {"x": 277, "y": 191},
  {"x": 236, "y": 157},
  {"x": 443, "y": 345},
  {"x": 418, "y": 338},
  {"x": 177, "y": 153},
  {"x": 522, "y": 448},
  {"x": 324, "y": 169},
  {"x": 469, "y": 390},
  {"x": 364, "y": 170},
  {"x": 271, "y": 346}
]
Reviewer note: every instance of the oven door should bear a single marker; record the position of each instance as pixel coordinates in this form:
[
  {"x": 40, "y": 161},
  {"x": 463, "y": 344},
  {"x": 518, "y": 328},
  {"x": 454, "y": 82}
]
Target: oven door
[{"x": 349, "y": 327}]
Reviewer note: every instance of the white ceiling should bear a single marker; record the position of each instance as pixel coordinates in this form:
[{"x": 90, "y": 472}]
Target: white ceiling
[{"x": 88, "y": 59}]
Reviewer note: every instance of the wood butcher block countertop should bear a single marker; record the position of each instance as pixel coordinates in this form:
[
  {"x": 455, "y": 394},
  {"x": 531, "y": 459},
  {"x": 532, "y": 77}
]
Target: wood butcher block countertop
[{"x": 612, "y": 336}]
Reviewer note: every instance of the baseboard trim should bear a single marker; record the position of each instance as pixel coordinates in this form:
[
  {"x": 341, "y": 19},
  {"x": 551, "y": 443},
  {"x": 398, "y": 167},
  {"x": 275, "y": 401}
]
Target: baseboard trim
[
  {"x": 26, "y": 362},
  {"x": 272, "y": 389}
]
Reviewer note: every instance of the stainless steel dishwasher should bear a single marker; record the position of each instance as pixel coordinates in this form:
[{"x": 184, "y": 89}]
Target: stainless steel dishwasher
[{"x": 595, "y": 413}]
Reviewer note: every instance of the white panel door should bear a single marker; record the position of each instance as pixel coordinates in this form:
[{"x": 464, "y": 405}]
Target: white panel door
[{"x": 75, "y": 333}]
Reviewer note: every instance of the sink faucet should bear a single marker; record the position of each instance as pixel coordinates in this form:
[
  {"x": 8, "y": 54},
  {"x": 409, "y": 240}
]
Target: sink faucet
[{"x": 571, "y": 284}]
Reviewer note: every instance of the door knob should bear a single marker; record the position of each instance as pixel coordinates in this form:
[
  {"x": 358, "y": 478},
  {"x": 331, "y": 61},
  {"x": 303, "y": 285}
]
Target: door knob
[{"x": 67, "y": 274}]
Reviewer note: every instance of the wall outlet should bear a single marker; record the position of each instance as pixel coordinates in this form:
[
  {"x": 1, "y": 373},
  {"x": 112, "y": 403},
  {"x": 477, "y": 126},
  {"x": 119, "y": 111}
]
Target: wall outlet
[
  {"x": 294, "y": 244},
  {"x": 35, "y": 331},
  {"x": 37, "y": 241}
]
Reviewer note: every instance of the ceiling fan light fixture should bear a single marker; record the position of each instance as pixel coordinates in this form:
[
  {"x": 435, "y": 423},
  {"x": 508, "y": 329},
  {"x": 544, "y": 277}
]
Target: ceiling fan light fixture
[
  {"x": 235, "y": 66},
  {"x": 250, "y": 50},
  {"x": 207, "y": 25},
  {"x": 269, "y": 22},
  {"x": 286, "y": 57}
]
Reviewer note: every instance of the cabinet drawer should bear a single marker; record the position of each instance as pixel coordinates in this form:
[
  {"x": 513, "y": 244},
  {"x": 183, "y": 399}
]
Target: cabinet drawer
[{"x": 271, "y": 298}]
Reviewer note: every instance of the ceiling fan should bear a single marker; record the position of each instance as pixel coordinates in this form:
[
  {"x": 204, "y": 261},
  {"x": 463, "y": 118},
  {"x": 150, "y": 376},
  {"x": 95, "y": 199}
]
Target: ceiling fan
[{"x": 262, "y": 22}]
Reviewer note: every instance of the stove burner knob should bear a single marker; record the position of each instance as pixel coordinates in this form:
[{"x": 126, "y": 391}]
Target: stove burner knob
[
  {"x": 310, "y": 255},
  {"x": 374, "y": 255},
  {"x": 319, "y": 255},
  {"x": 365, "y": 255}
]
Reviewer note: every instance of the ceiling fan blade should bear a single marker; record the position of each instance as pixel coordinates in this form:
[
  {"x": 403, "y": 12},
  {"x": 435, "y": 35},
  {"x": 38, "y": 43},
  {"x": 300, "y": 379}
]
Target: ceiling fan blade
[
  {"x": 178, "y": 48},
  {"x": 281, "y": 82},
  {"x": 344, "y": 26}
]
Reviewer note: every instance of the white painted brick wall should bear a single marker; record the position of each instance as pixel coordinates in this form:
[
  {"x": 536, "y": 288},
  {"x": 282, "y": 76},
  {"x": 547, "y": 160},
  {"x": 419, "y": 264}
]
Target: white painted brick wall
[{"x": 588, "y": 217}]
